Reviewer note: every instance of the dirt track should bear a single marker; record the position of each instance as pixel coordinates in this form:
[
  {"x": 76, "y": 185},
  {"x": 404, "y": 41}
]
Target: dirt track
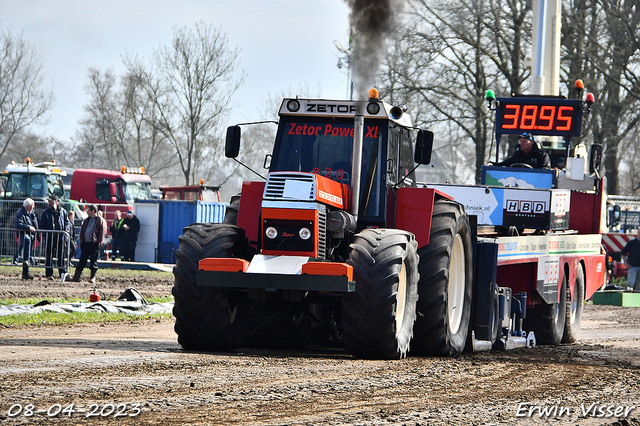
[{"x": 139, "y": 368}]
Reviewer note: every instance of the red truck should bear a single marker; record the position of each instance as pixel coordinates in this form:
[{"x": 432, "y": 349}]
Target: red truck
[
  {"x": 111, "y": 190},
  {"x": 110, "y": 187}
]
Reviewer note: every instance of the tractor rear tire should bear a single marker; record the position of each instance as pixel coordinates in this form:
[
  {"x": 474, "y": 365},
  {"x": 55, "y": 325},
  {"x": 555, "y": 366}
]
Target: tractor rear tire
[
  {"x": 377, "y": 319},
  {"x": 232, "y": 210},
  {"x": 575, "y": 306},
  {"x": 548, "y": 321},
  {"x": 206, "y": 318},
  {"x": 446, "y": 284}
]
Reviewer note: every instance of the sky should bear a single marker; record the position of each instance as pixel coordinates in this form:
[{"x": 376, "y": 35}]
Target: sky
[{"x": 285, "y": 45}]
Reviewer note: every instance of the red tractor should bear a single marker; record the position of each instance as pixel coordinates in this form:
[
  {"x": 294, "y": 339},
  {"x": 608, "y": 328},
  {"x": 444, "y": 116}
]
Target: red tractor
[{"x": 342, "y": 246}]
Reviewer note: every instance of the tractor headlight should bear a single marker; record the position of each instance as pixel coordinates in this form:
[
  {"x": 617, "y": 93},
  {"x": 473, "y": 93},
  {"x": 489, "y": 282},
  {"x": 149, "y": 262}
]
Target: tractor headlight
[
  {"x": 271, "y": 232},
  {"x": 304, "y": 233}
]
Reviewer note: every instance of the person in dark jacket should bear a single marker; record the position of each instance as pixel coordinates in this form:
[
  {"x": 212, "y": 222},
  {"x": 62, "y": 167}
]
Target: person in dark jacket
[
  {"x": 117, "y": 232},
  {"x": 72, "y": 234},
  {"x": 131, "y": 228},
  {"x": 527, "y": 153},
  {"x": 27, "y": 224},
  {"x": 632, "y": 252},
  {"x": 92, "y": 233},
  {"x": 54, "y": 218}
]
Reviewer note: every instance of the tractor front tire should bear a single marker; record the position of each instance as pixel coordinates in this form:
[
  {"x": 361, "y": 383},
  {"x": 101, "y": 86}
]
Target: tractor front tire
[
  {"x": 575, "y": 306},
  {"x": 377, "y": 319},
  {"x": 206, "y": 318},
  {"x": 446, "y": 284}
]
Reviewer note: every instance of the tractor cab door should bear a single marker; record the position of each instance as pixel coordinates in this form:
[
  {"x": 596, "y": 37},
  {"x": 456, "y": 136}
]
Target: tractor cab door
[{"x": 400, "y": 157}]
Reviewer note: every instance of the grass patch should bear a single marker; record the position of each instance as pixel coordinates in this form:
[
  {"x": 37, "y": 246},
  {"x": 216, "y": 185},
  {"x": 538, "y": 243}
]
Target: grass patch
[
  {"x": 102, "y": 273},
  {"x": 73, "y": 318}
]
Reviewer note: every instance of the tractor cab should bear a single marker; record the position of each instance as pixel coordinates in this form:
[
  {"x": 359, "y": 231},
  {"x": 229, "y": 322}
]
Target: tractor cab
[{"x": 322, "y": 138}]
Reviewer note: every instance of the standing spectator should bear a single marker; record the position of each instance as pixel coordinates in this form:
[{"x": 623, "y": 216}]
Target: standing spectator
[
  {"x": 92, "y": 233},
  {"x": 632, "y": 252},
  {"x": 72, "y": 234},
  {"x": 131, "y": 228},
  {"x": 117, "y": 232},
  {"x": 54, "y": 218},
  {"x": 27, "y": 224}
]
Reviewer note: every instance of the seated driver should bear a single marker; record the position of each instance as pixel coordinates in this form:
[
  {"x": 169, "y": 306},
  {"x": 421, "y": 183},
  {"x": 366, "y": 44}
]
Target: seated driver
[{"x": 527, "y": 153}]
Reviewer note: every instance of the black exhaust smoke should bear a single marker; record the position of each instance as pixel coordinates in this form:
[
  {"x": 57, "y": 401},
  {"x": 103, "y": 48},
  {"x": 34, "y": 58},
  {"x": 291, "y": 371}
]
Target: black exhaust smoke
[{"x": 372, "y": 21}]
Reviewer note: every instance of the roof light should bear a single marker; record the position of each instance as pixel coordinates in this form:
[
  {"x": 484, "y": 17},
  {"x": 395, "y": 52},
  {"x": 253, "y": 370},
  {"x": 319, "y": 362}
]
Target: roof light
[
  {"x": 373, "y": 108},
  {"x": 490, "y": 96},
  {"x": 373, "y": 94},
  {"x": 28, "y": 160},
  {"x": 132, "y": 170},
  {"x": 293, "y": 105},
  {"x": 579, "y": 84},
  {"x": 590, "y": 98},
  {"x": 201, "y": 181}
]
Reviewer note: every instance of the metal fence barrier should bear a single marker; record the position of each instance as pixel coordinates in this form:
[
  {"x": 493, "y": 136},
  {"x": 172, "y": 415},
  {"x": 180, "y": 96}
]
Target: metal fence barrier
[{"x": 48, "y": 249}]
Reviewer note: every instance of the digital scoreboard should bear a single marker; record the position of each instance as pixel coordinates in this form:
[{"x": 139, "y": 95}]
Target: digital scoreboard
[{"x": 539, "y": 116}]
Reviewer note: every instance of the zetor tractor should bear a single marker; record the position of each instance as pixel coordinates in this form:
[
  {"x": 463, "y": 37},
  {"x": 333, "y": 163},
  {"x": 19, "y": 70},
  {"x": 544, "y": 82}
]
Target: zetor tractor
[{"x": 339, "y": 246}]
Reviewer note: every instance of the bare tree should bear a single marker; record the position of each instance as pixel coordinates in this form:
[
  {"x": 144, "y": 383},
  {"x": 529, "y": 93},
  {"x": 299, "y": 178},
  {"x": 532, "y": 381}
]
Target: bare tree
[
  {"x": 22, "y": 102},
  {"x": 121, "y": 124},
  {"x": 198, "y": 72},
  {"x": 601, "y": 39},
  {"x": 257, "y": 142},
  {"x": 99, "y": 129},
  {"x": 38, "y": 148},
  {"x": 143, "y": 141},
  {"x": 444, "y": 67}
]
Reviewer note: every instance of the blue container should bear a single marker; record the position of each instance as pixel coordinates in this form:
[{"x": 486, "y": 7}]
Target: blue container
[{"x": 175, "y": 215}]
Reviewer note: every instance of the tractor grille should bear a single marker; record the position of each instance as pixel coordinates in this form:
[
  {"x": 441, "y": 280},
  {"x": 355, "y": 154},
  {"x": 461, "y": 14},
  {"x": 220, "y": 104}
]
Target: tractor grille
[
  {"x": 322, "y": 234},
  {"x": 290, "y": 186}
]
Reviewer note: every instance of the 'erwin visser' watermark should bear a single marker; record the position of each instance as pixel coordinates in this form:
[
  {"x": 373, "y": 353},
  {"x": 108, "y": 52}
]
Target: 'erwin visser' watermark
[{"x": 595, "y": 409}]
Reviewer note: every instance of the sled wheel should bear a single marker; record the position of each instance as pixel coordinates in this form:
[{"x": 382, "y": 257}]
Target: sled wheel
[
  {"x": 206, "y": 318},
  {"x": 445, "y": 288},
  {"x": 377, "y": 319},
  {"x": 548, "y": 320},
  {"x": 575, "y": 307}
]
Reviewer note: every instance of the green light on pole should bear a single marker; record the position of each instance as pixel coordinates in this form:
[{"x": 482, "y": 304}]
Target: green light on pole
[{"x": 490, "y": 96}]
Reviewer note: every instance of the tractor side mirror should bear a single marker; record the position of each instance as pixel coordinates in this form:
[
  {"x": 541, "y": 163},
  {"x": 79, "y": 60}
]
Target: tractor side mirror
[
  {"x": 113, "y": 192},
  {"x": 424, "y": 145},
  {"x": 595, "y": 158},
  {"x": 232, "y": 146}
]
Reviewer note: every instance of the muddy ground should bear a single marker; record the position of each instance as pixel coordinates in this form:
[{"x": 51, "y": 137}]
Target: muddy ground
[{"x": 136, "y": 373}]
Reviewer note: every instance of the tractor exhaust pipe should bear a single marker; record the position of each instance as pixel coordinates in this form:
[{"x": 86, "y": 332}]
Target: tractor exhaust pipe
[{"x": 356, "y": 163}]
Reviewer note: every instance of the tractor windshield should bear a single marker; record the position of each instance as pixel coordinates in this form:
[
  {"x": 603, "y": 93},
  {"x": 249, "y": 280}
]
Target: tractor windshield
[
  {"x": 22, "y": 185},
  {"x": 136, "y": 190},
  {"x": 324, "y": 146}
]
